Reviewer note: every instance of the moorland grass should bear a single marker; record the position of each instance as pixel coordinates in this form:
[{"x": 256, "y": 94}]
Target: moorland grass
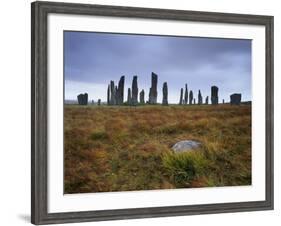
[{"x": 129, "y": 148}]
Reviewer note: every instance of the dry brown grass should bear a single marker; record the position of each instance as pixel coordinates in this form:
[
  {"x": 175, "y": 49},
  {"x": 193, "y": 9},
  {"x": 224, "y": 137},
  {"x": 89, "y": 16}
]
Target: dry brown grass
[{"x": 129, "y": 148}]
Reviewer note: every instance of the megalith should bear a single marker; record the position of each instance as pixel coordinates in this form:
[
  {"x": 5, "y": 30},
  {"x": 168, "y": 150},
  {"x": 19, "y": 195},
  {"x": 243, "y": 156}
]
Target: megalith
[
  {"x": 165, "y": 94},
  {"x": 82, "y": 99},
  {"x": 200, "y": 99},
  {"x": 142, "y": 97},
  {"x": 152, "y": 99},
  {"x": 181, "y": 95},
  {"x": 135, "y": 90},
  {"x": 190, "y": 97},
  {"x": 214, "y": 95},
  {"x": 235, "y": 99},
  {"x": 186, "y": 94}
]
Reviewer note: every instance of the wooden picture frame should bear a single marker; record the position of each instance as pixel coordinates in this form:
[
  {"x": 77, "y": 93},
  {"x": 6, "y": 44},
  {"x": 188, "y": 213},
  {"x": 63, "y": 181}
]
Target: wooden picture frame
[{"x": 39, "y": 109}]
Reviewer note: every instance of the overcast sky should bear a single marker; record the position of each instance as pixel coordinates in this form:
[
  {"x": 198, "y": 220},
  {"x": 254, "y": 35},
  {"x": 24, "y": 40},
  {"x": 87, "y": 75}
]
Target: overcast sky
[{"x": 93, "y": 59}]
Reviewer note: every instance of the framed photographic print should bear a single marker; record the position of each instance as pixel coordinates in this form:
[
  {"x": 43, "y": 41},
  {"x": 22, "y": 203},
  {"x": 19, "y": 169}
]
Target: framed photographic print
[{"x": 140, "y": 112}]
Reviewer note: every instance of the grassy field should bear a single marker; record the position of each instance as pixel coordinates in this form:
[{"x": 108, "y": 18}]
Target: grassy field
[{"x": 129, "y": 148}]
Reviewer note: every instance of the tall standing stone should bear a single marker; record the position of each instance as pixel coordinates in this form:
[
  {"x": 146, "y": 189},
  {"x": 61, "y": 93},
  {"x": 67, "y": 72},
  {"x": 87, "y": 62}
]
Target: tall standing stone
[
  {"x": 120, "y": 91},
  {"x": 116, "y": 95},
  {"x": 165, "y": 94},
  {"x": 214, "y": 95},
  {"x": 108, "y": 95},
  {"x": 129, "y": 98},
  {"x": 223, "y": 101},
  {"x": 135, "y": 90},
  {"x": 186, "y": 94},
  {"x": 112, "y": 93},
  {"x": 200, "y": 99},
  {"x": 152, "y": 99},
  {"x": 190, "y": 97},
  {"x": 235, "y": 99},
  {"x": 82, "y": 99},
  {"x": 99, "y": 101},
  {"x": 207, "y": 100},
  {"x": 142, "y": 97},
  {"x": 181, "y": 95}
]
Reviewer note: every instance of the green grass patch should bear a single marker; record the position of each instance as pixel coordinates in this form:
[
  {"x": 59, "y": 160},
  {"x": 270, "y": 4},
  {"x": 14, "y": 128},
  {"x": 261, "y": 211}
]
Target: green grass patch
[
  {"x": 99, "y": 135},
  {"x": 185, "y": 167}
]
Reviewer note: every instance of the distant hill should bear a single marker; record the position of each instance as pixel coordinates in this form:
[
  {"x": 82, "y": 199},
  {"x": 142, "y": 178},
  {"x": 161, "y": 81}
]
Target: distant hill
[{"x": 70, "y": 101}]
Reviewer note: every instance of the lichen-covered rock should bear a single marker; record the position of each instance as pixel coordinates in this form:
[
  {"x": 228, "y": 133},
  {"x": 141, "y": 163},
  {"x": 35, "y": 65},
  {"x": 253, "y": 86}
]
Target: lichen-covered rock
[{"x": 186, "y": 146}]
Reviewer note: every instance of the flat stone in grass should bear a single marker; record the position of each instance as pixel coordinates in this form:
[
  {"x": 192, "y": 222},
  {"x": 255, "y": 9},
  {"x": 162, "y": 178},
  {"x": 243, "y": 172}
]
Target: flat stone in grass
[{"x": 186, "y": 146}]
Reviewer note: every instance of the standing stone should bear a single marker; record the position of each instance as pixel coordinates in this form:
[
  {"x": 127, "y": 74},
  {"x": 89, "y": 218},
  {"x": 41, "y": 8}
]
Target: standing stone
[
  {"x": 99, "y": 101},
  {"x": 108, "y": 95},
  {"x": 223, "y": 101},
  {"x": 135, "y": 90},
  {"x": 190, "y": 97},
  {"x": 129, "y": 99},
  {"x": 142, "y": 97},
  {"x": 82, "y": 99},
  {"x": 181, "y": 100},
  {"x": 116, "y": 95},
  {"x": 120, "y": 91},
  {"x": 200, "y": 99},
  {"x": 165, "y": 94},
  {"x": 93, "y": 102},
  {"x": 186, "y": 94},
  {"x": 207, "y": 100},
  {"x": 214, "y": 95},
  {"x": 235, "y": 99},
  {"x": 152, "y": 99},
  {"x": 112, "y": 93},
  {"x": 194, "y": 101}
]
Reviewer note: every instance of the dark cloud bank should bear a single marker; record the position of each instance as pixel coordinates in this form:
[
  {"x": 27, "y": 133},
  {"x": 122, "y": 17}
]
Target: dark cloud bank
[{"x": 93, "y": 59}]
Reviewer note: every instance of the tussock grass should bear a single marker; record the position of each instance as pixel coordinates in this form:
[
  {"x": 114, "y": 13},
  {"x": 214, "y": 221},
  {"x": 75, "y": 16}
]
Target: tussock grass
[
  {"x": 129, "y": 148},
  {"x": 185, "y": 167}
]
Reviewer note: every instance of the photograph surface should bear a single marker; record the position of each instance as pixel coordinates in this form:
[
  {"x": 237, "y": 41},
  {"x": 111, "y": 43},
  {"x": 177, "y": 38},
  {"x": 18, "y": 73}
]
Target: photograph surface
[{"x": 145, "y": 112}]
